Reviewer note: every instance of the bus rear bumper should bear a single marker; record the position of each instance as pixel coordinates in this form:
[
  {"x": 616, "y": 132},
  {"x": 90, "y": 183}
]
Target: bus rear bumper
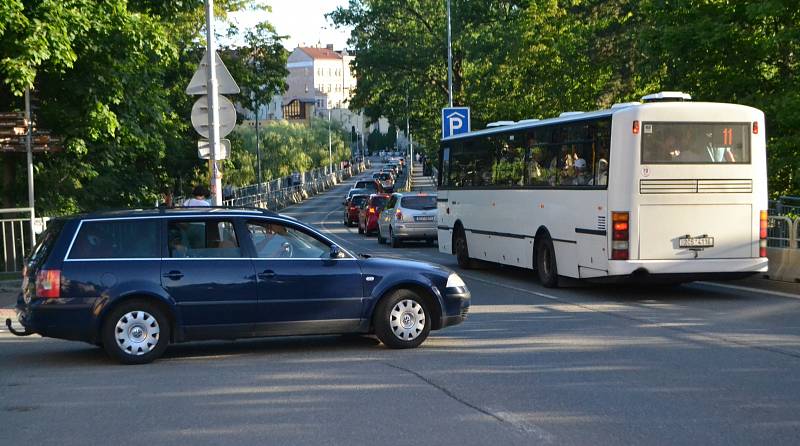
[{"x": 702, "y": 267}]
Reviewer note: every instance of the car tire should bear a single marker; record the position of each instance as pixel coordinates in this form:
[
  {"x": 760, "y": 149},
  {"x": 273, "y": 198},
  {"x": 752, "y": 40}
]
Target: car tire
[
  {"x": 462, "y": 250},
  {"x": 360, "y": 231},
  {"x": 135, "y": 332},
  {"x": 393, "y": 241},
  {"x": 402, "y": 320},
  {"x": 546, "y": 267}
]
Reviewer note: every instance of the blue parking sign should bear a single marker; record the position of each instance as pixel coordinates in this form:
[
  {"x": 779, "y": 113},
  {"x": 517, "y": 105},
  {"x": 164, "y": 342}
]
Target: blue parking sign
[{"x": 455, "y": 120}]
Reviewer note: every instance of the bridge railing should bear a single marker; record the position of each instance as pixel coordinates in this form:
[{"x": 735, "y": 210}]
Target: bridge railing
[{"x": 278, "y": 194}]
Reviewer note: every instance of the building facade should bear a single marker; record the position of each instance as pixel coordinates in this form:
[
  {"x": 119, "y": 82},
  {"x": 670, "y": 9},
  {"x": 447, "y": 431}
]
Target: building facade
[{"x": 321, "y": 74}]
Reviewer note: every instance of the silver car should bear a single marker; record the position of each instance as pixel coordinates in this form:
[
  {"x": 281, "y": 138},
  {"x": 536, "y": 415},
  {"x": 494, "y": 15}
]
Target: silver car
[{"x": 408, "y": 216}]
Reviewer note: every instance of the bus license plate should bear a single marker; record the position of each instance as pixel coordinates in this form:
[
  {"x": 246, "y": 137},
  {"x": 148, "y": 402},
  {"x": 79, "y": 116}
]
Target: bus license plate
[{"x": 696, "y": 242}]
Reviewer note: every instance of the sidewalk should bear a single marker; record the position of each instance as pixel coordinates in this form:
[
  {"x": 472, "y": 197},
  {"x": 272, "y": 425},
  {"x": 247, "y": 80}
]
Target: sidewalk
[{"x": 422, "y": 183}]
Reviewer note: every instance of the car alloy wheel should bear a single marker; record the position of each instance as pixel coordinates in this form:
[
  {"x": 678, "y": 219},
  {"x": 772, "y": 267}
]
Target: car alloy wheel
[{"x": 394, "y": 241}]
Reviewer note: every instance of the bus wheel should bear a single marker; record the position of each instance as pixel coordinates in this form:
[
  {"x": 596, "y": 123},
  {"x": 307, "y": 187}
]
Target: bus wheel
[
  {"x": 462, "y": 251},
  {"x": 546, "y": 263}
]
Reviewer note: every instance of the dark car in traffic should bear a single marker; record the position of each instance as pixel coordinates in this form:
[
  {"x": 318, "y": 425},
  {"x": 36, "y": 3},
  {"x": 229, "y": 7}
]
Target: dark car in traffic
[
  {"x": 136, "y": 281},
  {"x": 352, "y": 206}
]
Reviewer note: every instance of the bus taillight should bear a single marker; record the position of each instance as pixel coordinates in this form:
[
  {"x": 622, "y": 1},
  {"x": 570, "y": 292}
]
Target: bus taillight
[
  {"x": 755, "y": 127},
  {"x": 635, "y": 127},
  {"x": 620, "y": 235},
  {"x": 762, "y": 234}
]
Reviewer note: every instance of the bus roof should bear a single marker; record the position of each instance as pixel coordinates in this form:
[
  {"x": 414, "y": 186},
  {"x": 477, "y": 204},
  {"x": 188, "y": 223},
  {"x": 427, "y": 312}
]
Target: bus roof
[
  {"x": 528, "y": 123},
  {"x": 574, "y": 117}
]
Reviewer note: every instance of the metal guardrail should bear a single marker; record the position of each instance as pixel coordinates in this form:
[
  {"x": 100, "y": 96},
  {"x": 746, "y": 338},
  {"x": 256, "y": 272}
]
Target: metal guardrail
[
  {"x": 15, "y": 233},
  {"x": 785, "y": 206},
  {"x": 276, "y": 195}
]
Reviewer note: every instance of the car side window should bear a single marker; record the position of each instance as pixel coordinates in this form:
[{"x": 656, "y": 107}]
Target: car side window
[
  {"x": 117, "y": 239},
  {"x": 278, "y": 241},
  {"x": 203, "y": 239}
]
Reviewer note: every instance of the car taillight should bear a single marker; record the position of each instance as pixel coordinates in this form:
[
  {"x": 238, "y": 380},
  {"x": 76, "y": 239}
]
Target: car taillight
[
  {"x": 620, "y": 235},
  {"x": 399, "y": 216},
  {"x": 762, "y": 234},
  {"x": 371, "y": 210},
  {"x": 48, "y": 283}
]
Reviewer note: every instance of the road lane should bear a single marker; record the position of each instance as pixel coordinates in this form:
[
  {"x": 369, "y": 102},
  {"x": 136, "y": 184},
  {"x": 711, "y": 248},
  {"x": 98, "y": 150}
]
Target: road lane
[{"x": 580, "y": 365}]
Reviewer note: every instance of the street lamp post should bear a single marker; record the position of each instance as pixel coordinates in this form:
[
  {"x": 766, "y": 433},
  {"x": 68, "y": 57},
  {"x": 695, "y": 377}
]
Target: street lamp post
[
  {"x": 449, "y": 57},
  {"x": 330, "y": 143}
]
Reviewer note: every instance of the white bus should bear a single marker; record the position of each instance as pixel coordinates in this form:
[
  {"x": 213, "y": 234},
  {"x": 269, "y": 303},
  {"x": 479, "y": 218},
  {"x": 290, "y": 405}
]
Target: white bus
[{"x": 668, "y": 187}]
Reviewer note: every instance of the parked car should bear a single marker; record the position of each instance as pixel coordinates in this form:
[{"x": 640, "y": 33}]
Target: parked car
[
  {"x": 368, "y": 214},
  {"x": 351, "y": 208},
  {"x": 136, "y": 281},
  {"x": 408, "y": 216},
  {"x": 373, "y": 186}
]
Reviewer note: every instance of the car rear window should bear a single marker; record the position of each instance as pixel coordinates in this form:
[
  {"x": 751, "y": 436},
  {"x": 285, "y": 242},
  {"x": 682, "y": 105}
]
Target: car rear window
[
  {"x": 44, "y": 246},
  {"x": 419, "y": 203},
  {"x": 379, "y": 202},
  {"x": 117, "y": 239},
  {"x": 358, "y": 200},
  {"x": 366, "y": 185}
]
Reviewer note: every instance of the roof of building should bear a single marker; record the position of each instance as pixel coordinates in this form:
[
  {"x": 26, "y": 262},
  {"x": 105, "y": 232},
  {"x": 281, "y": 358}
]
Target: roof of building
[{"x": 320, "y": 53}]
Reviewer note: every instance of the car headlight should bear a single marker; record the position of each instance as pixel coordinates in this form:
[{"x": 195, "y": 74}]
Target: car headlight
[{"x": 454, "y": 281}]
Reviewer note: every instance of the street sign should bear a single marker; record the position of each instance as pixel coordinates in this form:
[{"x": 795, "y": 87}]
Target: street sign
[
  {"x": 227, "y": 116},
  {"x": 204, "y": 149},
  {"x": 455, "y": 120},
  {"x": 225, "y": 82}
]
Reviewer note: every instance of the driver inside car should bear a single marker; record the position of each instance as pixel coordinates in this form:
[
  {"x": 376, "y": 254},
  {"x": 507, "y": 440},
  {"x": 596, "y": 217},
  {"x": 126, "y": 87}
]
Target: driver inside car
[{"x": 271, "y": 241}]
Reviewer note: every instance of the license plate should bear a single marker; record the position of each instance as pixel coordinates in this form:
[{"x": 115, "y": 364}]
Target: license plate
[
  {"x": 424, "y": 218},
  {"x": 696, "y": 242}
]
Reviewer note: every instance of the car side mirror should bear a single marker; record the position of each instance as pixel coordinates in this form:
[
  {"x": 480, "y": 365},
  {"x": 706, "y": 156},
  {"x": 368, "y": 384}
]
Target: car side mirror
[
  {"x": 335, "y": 252},
  {"x": 344, "y": 203}
]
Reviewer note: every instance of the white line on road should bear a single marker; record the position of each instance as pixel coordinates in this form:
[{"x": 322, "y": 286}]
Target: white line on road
[{"x": 749, "y": 289}]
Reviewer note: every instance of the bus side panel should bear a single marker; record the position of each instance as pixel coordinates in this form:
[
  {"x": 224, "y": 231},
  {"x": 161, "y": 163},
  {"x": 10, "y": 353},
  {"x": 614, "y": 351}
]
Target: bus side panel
[
  {"x": 566, "y": 258},
  {"x": 444, "y": 222}
]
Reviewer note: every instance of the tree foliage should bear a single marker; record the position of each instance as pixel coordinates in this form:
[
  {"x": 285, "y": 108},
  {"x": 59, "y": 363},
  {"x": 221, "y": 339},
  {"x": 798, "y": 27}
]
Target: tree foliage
[{"x": 518, "y": 59}]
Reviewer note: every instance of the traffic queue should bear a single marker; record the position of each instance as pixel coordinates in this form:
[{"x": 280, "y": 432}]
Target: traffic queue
[{"x": 378, "y": 207}]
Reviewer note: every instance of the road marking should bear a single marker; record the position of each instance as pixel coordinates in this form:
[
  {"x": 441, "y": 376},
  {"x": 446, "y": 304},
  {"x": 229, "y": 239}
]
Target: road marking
[{"x": 752, "y": 290}]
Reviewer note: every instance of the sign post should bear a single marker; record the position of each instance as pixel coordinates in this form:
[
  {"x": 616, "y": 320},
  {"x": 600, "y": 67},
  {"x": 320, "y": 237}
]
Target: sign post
[{"x": 212, "y": 79}]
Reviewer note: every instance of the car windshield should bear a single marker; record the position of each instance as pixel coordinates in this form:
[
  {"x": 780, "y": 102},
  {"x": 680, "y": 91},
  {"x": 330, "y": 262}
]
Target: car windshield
[{"x": 419, "y": 202}]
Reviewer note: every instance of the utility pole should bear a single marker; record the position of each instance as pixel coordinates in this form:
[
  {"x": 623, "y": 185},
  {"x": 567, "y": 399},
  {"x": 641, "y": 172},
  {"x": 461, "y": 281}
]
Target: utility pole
[
  {"x": 213, "y": 105},
  {"x": 29, "y": 151},
  {"x": 258, "y": 147},
  {"x": 449, "y": 57},
  {"x": 330, "y": 145}
]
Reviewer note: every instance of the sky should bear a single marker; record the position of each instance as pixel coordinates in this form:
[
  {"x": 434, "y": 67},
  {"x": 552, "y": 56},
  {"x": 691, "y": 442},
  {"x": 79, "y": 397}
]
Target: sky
[{"x": 302, "y": 20}]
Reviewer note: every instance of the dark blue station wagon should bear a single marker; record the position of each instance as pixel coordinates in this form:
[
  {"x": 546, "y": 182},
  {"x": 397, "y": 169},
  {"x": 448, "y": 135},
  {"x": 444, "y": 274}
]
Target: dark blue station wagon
[{"x": 134, "y": 281}]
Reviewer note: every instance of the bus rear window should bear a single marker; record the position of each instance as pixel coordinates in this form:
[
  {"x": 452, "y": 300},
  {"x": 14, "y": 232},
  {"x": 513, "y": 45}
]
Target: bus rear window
[{"x": 695, "y": 143}]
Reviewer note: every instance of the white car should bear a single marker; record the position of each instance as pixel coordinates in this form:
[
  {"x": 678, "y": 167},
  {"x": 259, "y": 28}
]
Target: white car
[{"x": 408, "y": 216}]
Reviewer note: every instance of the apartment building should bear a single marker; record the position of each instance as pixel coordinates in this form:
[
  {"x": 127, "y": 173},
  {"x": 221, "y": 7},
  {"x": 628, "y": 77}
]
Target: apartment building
[{"x": 320, "y": 74}]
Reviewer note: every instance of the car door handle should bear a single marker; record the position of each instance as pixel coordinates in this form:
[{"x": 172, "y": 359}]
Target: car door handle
[
  {"x": 174, "y": 275},
  {"x": 266, "y": 274}
]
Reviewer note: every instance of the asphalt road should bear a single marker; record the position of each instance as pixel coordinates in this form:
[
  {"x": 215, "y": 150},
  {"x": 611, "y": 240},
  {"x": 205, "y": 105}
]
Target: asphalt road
[{"x": 584, "y": 365}]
